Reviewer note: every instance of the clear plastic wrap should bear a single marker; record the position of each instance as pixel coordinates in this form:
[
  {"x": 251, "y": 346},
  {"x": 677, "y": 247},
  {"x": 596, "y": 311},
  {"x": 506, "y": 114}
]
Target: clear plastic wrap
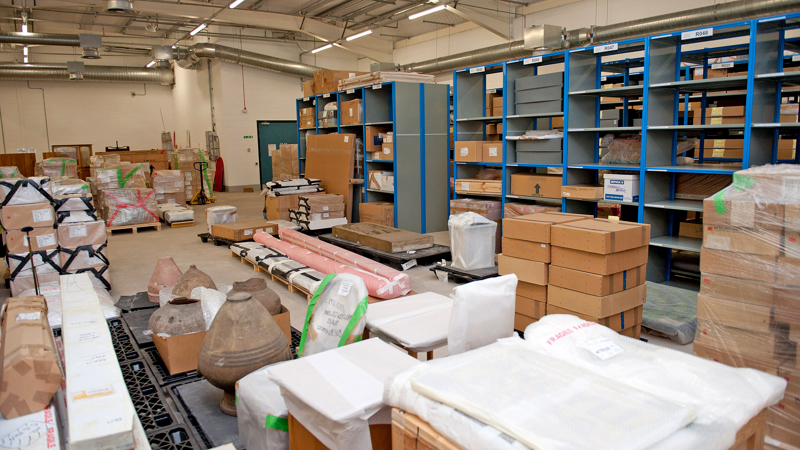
[
  {"x": 173, "y": 212},
  {"x": 10, "y": 172},
  {"x": 748, "y": 308},
  {"x": 23, "y": 191},
  {"x": 98, "y": 160},
  {"x": 472, "y": 241},
  {"x": 220, "y": 214},
  {"x": 167, "y": 181},
  {"x": 520, "y": 209},
  {"x": 60, "y": 167},
  {"x": 670, "y": 312},
  {"x": 261, "y": 412},
  {"x": 627, "y": 149},
  {"x": 129, "y": 206},
  {"x": 483, "y": 312},
  {"x": 68, "y": 186},
  {"x": 123, "y": 175}
]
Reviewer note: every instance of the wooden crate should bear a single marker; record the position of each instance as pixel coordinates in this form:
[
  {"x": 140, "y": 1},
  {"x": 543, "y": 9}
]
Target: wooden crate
[{"x": 302, "y": 439}]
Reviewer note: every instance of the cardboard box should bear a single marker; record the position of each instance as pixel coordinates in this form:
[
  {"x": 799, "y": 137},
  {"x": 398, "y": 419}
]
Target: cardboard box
[
  {"x": 621, "y": 187},
  {"x": 491, "y": 128},
  {"x": 634, "y": 332},
  {"x": 734, "y": 360},
  {"x": 617, "y": 322},
  {"x": 788, "y": 271},
  {"x": 536, "y": 227},
  {"x": 521, "y": 321},
  {"x": 530, "y": 307},
  {"x": 583, "y": 191},
  {"x": 756, "y": 242},
  {"x": 308, "y": 88},
  {"x": 594, "y": 284},
  {"x": 598, "y": 263},
  {"x": 492, "y": 151},
  {"x": 601, "y": 235},
  {"x": 385, "y": 154},
  {"x": 783, "y": 428},
  {"x": 532, "y": 291},
  {"x": 41, "y": 239},
  {"x": 791, "y": 219},
  {"x": 746, "y": 316},
  {"x": 381, "y": 213},
  {"x": 751, "y": 344},
  {"x": 738, "y": 265},
  {"x": 242, "y": 231},
  {"x": 277, "y": 208},
  {"x": 470, "y": 185},
  {"x": 536, "y": 185},
  {"x": 737, "y": 289},
  {"x": 381, "y": 237},
  {"x": 326, "y": 81},
  {"x": 468, "y": 151},
  {"x": 533, "y": 272},
  {"x": 37, "y": 215},
  {"x": 497, "y": 111},
  {"x": 374, "y": 138},
  {"x": 74, "y": 235},
  {"x": 691, "y": 229},
  {"x": 728, "y": 153},
  {"x": 382, "y": 180},
  {"x": 739, "y": 210},
  {"x": 350, "y": 112},
  {"x": 595, "y": 306},
  {"x": 534, "y": 251}
]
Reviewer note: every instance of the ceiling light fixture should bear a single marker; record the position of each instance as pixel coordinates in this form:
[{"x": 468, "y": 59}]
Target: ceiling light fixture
[
  {"x": 25, "y": 59},
  {"x": 198, "y": 29},
  {"x": 24, "y": 27},
  {"x": 235, "y": 4},
  {"x": 25, "y": 51},
  {"x": 356, "y": 36},
  {"x": 151, "y": 63},
  {"x": 324, "y": 47},
  {"x": 425, "y": 13}
]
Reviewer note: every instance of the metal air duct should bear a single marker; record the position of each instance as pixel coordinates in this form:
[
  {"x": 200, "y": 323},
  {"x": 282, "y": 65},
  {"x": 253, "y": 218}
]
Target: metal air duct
[
  {"x": 107, "y": 74},
  {"x": 693, "y": 18},
  {"x": 68, "y": 40},
  {"x": 246, "y": 58}
]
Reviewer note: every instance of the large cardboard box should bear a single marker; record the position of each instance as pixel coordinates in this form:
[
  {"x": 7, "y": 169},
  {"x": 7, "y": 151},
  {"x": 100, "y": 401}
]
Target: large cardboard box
[
  {"x": 534, "y": 251},
  {"x": 752, "y": 344},
  {"x": 326, "y": 81},
  {"x": 536, "y": 227},
  {"x": 532, "y": 291},
  {"x": 737, "y": 209},
  {"x": 351, "y": 112},
  {"x": 601, "y": 235},
  {"x": 492, "y": 151},
  {"x": 737, "y": 289},
  {"x": 308, "y": 88},
  {"x": 593, "y": 305},
  {"x": 381, "y": 237},
  {"x": 691, "y": 229},
  {"x": 536, "y": 185},
  {"x": 746, "y": 316},
  {"x": 734, "y": 360},
  {"x": 533, "y": 272},
  {"x": 788, "y": 271},
  {"x": 41, "y": 239},
  {"x": 37, "y": 215},
  {"x": 468, "y": 151},
  {"x": 242, "y": 231},
  {"x": 754, "y": 242},
  {"x": 74, "y": 235},
  {"x": 617, "y": 322},
  {"x": 583, "y": 191},
  {"x": 594, "y": 284},
  {"x": 738, "y": 265},
  {"x": 529, "y": 307},
  {"x": 381, "y": 213},
  {"x": 374, "y": 137},
  {"x": 598, "y": 263},
  {"x": 521, "y": 321},
  {"x": 475, "y": 186}
]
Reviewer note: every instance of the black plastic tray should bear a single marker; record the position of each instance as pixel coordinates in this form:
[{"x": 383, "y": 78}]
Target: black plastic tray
[
  {"x": 139, "y": 301},
  {"x": 138, "y": 323},
  {"x": 399, "y": 261},
  {"x": 159, "y": 370},
  {"x": 124, "y": 345},
  {"x": 178, "y": 437},
  {"x": 191, "y": 420},
  {"x": 148, "y": 400}
]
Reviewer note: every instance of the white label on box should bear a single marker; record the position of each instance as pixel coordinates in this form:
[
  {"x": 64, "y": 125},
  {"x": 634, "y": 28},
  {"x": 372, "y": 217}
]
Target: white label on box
[
  {"x": 42, "y": 215},
  {"x": 477, "y": 69},
  {"x": 718, "y": 242},
  {"x": 77, "y": 231},
  {"x": 725, "y": 65},
  {"x": 272, "y": 147},
  {"x": 464, "y": 186},
  {"x": 387, "y": 150},
  {"x": 326, "y": 95},
  {"x": 36, "y": 315},
  {"x": 606, "y": 48},
  {"x": 409, "y": 264},
  {"x": 351, "y": 75},
  {"x": 602, "y": 347},
  {"x": 325, "y": 208},
  {"x": 534, "y": 60},
  {"x": 25, "y": 241},
  {"x": 345, "y": 287},
  {"x": 566, "y": 194},
  {"x": 464, "y": 151},
  {"x": 347, "y": 138},
  {"x": 791, "y": 187},
  {"x": 325, "y": 215},
  {"x": 705, "y": 32},
  {"x": 351, "y": 112},
  {"x": 248, "y": 232},
  {"x": 46, "y": 240},
  {"x": 492, "y": 151}
]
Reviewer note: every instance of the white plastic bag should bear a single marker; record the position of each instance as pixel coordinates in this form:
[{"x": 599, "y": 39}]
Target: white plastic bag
[
  {"x": 261, "y": 412},
  {"x": 472, "y": 240},
  {"x": 337, "y": 314},
  {"x": 483, "y": 312}
]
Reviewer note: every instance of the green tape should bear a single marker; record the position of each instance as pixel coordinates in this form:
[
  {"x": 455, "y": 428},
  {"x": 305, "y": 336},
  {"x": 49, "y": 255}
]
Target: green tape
[
  {"x": 205, "y": 175},
  {"x": 719, "y": 202},
  {"x": 124, "y": 181},
  {"x": 741, "y": 182},
  {"x": 277, "y": 423},
  {"x": 310, "y": 312},
  {"x": 64, "y": 165},
  {"x": 361, "y": 309}
]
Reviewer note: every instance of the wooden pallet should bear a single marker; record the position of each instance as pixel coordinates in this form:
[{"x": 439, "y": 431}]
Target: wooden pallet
[
  {"x": 184, "y": 223},
  {"x": 285, "y": 282},
  {"x": 134, "y": 228}
]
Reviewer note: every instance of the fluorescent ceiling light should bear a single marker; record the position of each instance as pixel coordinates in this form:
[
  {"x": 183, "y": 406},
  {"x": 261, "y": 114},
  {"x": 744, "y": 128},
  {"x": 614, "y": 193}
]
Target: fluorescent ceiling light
[
  {"x": 25, "y": 51},
  {"x": 425, "y": 13},
  {"x": 25, "y": 59},
  {"x": 356, "y": 36},
  {"x": 324, "y": 47},
  {"x": 151, "y": 63},
  {"x": 24, "y": 27},
  {"x": 235, "y": 4},
  {"x": 198, "y": 29}
]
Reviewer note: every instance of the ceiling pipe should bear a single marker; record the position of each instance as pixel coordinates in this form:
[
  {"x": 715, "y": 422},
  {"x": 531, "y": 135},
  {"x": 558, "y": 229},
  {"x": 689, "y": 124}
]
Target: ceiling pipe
[
  {"x": 693, "y": 18},
  {"x": 107, "y": 74},
  {"x": 246, "y": 58},
  {"x": 67, "y": 40}
]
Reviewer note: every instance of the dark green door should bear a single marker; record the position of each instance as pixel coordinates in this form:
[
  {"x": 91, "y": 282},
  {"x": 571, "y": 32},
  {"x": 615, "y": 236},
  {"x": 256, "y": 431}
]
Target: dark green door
[{"x": 272, "y": 134}]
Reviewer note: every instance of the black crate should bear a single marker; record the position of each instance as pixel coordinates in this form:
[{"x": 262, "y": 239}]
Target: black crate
[
  {"x": 124, "y": 345},
  {"x": 174, "y": 438},
  {"x": 295, "y": 341},
  {"x": 159, "y": 370},
  {"x": 148, "y": 400}
]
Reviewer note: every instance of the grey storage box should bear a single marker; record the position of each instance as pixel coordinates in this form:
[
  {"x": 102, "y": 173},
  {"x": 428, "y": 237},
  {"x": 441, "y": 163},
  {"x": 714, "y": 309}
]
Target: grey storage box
[
  {"x": 611, "y": 114},
  {"x": 539, "y": 151},
  {"x": 637, "y": 122},
  {"x": 539, "y": 95},
  {"x": 540, "y": 107},
  {"x": 539, "y": 81},
  {"x": 610, "y": 122}
]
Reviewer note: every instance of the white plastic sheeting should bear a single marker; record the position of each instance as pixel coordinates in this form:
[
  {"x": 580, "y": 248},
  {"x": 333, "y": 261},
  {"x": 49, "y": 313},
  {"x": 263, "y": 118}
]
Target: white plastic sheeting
[
  {"x": 211, "y": 300},
  {"x": 472, "y": 240},
  {"x": 261, "y": 412},
  {"x": 483, "y": 312},
  {"x": 21, "y": 191},
  {"x": 216, "y": 215},
  {"x": 417, "y": 322}
]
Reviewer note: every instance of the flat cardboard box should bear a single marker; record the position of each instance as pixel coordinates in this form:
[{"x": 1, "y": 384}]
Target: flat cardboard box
[
  {"x": 691, "y": 229},
  {"x": 594, "y": 284},
  {"x": 738, "y": 265},
  {"x": 601, "y": 236},
  {"x": 724, "y": 143},
  {"x": 74, "y": 235},
  {"x": 533, "y": 272},
  {"x": 728, "y": 120},
  {"x": 521, "y": 321},
  {"x": 381, "y": 237},
  {"x": 698, "y": 186},
  {"x": 471, "y": 185},
  {"x": 583, "y": 191},
  {"x": 37, "y": 215},
  {"x": 593, "y": 305},
  {"x": 737, "y": 289},
  {"x": 351, "y": 112},
  {"x": 382, "y": 180},
  {"x": 536, "y": 227},
  {"x": 530, "y": 307},
  {"x": 40, "y": 239},
  {"x": 788, "y": 271},
  {"x": 242, "y": 231},
  {"x": 597, "y": 263},
  {"x": 277, "y": 208},
  {"x": 746, "y": 316},
  {"x": 534, "y": 251},
  {"x": 536, "y": 185},
  {"x": 753, "y": 242},
  {"x": 381, "y": 213},
  {"x": 532, "y": 291},
  {"x": 617, "y": 322},
  {"x": 727, "y": 153},
  {"x": 492, "y": 151},
  {"x": 468, "y": 151}
]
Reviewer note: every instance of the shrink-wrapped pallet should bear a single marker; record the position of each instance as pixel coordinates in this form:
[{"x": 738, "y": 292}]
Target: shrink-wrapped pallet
[{"x": 129, "y": 206}]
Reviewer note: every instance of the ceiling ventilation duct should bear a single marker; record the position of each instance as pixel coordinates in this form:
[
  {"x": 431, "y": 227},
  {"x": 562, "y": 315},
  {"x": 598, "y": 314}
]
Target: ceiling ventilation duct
[
  {"x": 119, "y": 6},
  {"x": 76, "y": 70},
  {"x": 91, "y": 44}
]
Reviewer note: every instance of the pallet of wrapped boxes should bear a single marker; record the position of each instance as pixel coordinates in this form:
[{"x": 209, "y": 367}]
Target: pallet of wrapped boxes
[
  {"x": 58, "y": 167},
  {"x": 184, "y": 161},
  {"x": 318, "y": 212},
  {"x": 748, "y": 308},
  {"x": 169, "y": 187}
]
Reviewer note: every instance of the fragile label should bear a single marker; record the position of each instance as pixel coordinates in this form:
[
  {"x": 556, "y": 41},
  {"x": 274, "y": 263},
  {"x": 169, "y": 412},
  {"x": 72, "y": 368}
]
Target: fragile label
[
  {"x": 77, "y": 231},
  {"x": 464, "y": 151},
  {"x": 248, "y": 232},
  {"x": 409, "y": 264},
  {"x": 602, "y": 347},
  {"x": 42, "y": 215},
  {"x": 464, "y": 186},
  {"x": 705, "y": 32},
  {"x": 345, "y": 287},
  {"x": 36, "y": 315},
  {"x": 534, "y": 60},
  {"x": 606, "y": 48},
  {"x": 46, "y": 240}
]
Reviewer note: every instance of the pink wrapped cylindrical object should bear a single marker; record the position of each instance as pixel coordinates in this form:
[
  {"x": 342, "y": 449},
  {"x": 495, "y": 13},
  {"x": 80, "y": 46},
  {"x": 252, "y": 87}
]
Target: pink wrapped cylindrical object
[{"x": 382, "y": 282}]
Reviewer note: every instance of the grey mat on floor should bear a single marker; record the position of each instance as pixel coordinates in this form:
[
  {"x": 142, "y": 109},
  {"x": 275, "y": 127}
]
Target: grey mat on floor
[
  {"x": 202, "y": 401},
  {"x": 671, "y": 312},
  {"x": 138, "y": 323}
]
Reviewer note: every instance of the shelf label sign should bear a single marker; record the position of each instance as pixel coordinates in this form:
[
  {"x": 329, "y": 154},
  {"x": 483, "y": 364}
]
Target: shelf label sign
[
  {"x": 377, "y": 86},
  {"x": 795, "y": 58},
  {"x": 305, "y": 99},
  {"x": 533, "y": 60},
  {"x": 705, "y": 32},
  {"x": 606, "y": 48},
  {"x": 351, "y": 91},
  {"x": 477, "y": 69},
  {"x": 603, "y": 78},
  {"x": 326, "y": 95},
  {"x": 725, "y": 65},
  {"x": 491, "y": 91}
]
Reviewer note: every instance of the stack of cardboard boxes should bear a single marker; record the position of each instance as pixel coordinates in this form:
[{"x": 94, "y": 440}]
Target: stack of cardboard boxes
[
  {"x": 321, "y": 211},
  {"x": 285, "y": 162},
  {"x": 169, "y": 188},
  {"x": 512, "y": 209},
  {"x": 307, "y": 118},
  {"x": 192, "y": 177},
  {"x": 494, "y": 103},
  {"x": 748, "y": 308},
  {"x": 326, "y": 80},
  {"x": 490, "y": 151},
  {"x": 384, "y": 150},
  {"x": 152, "y": 159},
  {"x": 59, "y": 168}
]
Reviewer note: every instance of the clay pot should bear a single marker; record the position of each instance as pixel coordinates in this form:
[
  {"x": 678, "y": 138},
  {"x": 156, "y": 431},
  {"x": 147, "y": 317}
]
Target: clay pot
[
  {"x": 257, "y": 288},
  {"x": 243, "y": 337},
  {"x": 166, "y": 274},
  {"x": 191, "y": 279},
  {"x": 179, "y": 316}
]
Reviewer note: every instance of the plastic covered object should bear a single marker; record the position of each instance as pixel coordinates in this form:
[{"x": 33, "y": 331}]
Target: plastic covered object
[
  {"x": 173, "y": 212},
  {"x": 10, "y": 172},
  {"x": 336, "y": 314},
  {"x": 520, "y": 209},
  {"x": 628, "y": 150},
  {"x": 211, "y": 300},
  {"x": 122, "y": 175},
  {"x": 472, "y": 241},
  {"x": 98, "y": 160},
  {"x": 489, "y": 174},
  {"x": 724, "y": 398},
  {"x": 167, "y": 181},
  {"x": 417, "y": 322},
  {"x": 129, "y": 206},
  {"x": 60, "y": 167},
  {"x": 670, "y": 312},
  {"x": 52, "y": 294},
  {"x": 483, "y": 312},
  {"x": 69, "y": 186},
  {"x": 261, "y": 412},
  {"x": 22, "y": 191},
  {"x": 216, "y": 215}
]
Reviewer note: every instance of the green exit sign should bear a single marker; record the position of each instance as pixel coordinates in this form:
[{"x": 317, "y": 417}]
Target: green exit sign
[{"x": 248, "y": 137}]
